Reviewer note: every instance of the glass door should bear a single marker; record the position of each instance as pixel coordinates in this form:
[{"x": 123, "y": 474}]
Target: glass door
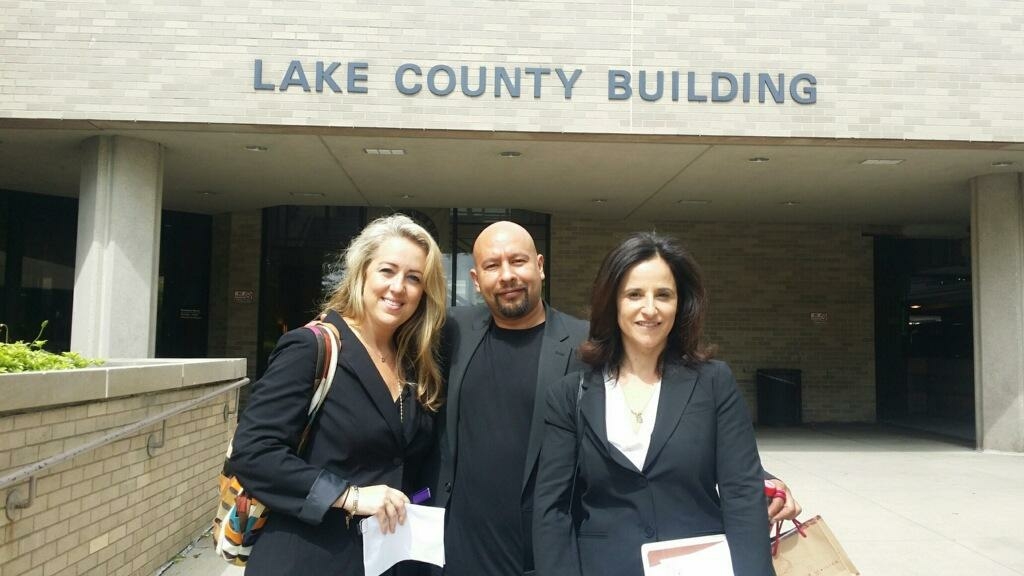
[{"x": 301, "y": 247}]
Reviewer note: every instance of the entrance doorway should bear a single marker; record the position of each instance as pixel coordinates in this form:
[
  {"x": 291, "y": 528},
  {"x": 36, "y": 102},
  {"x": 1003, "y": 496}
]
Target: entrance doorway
[
  {"x": 37, "y": 267},
  {"x": 183, "y": 291},
  {"x": 301, "y": 245},
  {"x": 924, "y": 356}
]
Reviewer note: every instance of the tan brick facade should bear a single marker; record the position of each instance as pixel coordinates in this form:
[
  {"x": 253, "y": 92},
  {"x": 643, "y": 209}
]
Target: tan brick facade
[
  {"x": 764, "y": 282},
  {"x": 235, "y": 265},
  {"x": 944, "y": 70},
  {"x": 114, "y": 510}
]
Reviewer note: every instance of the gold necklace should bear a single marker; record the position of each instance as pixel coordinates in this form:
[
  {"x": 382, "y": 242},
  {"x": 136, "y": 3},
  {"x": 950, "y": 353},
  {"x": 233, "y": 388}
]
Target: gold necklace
[
  {"x": 401, "y": 405},
  {"x": 366, "y": 343},
  {"x": 383, "y": 358},
  {"x": 376, "y": 354},
  {"x": 393, "y": 380},
  {"x": 638, "y": 415}
]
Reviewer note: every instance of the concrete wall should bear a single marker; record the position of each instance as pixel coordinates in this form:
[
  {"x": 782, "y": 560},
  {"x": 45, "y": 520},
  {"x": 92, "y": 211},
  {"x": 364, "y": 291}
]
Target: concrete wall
[
  {"x": 114, "y": 510},
  {"x": 936, "y": 70},
  {"x": 764, "y": 282}
]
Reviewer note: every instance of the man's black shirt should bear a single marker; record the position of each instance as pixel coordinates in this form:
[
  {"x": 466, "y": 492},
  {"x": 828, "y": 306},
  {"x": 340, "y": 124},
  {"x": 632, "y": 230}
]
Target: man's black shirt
[{"x": 484, "y": 534}]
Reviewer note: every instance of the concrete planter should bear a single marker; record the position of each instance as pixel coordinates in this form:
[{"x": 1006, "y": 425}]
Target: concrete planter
[{"x": 25, "y": 391}]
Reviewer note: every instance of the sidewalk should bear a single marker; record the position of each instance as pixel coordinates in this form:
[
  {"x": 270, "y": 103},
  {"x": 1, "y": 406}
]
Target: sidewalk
[{"x": 901, "y": 504}]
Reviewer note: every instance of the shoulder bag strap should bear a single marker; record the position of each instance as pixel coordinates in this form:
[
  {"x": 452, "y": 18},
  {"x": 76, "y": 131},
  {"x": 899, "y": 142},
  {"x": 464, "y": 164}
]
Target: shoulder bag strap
[{"x": 328, "y": 346}]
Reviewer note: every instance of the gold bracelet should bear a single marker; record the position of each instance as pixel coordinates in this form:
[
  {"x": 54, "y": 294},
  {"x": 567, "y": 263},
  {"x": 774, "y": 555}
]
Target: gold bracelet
[{"x": 355, "y": 504}]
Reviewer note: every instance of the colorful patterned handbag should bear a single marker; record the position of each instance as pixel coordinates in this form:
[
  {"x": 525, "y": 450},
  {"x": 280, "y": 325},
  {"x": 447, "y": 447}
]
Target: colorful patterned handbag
[{"x": 240, "y": 517}]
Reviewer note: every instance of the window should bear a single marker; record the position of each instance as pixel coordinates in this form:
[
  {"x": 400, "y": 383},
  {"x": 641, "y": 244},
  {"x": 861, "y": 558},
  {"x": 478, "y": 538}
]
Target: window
[{"x": 37, "y": 250}]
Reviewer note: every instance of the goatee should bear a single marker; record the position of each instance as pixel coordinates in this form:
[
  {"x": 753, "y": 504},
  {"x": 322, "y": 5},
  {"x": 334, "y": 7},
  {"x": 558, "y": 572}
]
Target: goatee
[{"x": 517, "y": 310}]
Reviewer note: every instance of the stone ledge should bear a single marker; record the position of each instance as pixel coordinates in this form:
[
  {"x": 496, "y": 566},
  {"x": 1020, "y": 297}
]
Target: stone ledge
[{"x": 119, "y": 377}]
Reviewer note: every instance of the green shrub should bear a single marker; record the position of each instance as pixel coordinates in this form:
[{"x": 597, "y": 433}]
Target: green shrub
[{"x": 30, "y": 357}]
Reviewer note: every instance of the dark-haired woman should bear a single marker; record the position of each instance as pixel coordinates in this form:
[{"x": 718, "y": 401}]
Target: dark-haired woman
[{"x": 662, "y": 438}]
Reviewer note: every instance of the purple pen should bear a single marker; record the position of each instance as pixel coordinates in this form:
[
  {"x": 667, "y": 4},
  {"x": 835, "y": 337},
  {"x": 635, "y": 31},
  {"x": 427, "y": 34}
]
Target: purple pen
[{"x": 420, "y": 496}]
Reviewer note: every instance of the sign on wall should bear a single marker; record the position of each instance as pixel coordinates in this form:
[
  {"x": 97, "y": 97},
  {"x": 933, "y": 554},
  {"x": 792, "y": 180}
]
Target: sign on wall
[
  {"x": 244, "y": 296},
  {"x": 444, "y": 80}
]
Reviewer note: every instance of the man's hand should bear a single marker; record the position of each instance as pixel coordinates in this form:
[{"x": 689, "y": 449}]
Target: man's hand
[{"x": 783, "y": 506}]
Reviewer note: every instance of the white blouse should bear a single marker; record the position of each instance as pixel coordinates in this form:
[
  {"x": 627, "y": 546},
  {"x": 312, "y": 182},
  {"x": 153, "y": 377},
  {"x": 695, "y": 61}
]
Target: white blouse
[{"x": 633, "y": 443}]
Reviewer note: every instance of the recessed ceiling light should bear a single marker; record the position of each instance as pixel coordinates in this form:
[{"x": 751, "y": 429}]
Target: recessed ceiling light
[
  {"x": 599, "y": 200},
  {"x": 255, "y": 148},
  {"x": 307, "y": 194},
  {"x": 384, "y": 151},
  {"x": 915, "y": 306},
  {"x": 758, "y": 160},
  {"x": 510, "y": 154},
  {"x": 206, "y": 193},
  {"x": 407, "y": 196},
  {"x": 882, "y": 161},
  {"x": 1002, "y": 164},
  {"x": 789, "y": 203},
  {"x": 692, "y": 201}
]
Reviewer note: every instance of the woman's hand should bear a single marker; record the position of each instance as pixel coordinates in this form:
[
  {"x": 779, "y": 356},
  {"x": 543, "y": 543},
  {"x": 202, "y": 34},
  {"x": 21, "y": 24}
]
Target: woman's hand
[
  {"x": 382, "y": 501},
  {"x": 783, "y": 508}
]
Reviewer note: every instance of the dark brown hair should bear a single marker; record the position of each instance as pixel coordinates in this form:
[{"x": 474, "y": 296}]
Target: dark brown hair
[{"x": 604, "y": 346}]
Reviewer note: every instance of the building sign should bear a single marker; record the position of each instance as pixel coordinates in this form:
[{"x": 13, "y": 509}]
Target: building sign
[
  {"x": 538, "y": 81},
  {"x": 244, "y": 296}
]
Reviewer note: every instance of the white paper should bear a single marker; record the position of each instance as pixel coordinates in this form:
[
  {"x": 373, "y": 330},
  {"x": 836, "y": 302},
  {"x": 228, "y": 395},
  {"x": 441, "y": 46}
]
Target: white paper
[
  {"x": 420, "y": 538},
  {"x": 699, "y": 556}
]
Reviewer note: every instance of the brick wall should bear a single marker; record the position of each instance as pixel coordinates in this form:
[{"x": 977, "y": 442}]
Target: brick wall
[
  {"x": 115, "y": 510},
  {"x": 220, "y": 256},
  {"x": 943, "y": 69},
  {"x": 764, "y": 281},
  {"x": 235, "y": 265}
]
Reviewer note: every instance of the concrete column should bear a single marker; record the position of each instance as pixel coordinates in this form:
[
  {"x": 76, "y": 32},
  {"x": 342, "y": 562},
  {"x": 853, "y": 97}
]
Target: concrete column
[
  {"x": 118, "y": 252},
  {"x": 997, "y": 248}
]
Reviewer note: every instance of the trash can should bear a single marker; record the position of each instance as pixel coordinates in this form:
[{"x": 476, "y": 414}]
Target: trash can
[{"x": 778, "y": 397}]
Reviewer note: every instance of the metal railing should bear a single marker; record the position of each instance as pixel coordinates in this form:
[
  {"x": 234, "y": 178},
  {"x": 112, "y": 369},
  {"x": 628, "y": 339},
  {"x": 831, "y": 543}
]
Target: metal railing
[{"x": 15, "y": 501}]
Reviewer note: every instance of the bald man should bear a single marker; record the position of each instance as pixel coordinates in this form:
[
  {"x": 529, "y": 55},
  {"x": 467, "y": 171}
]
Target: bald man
[{"x": 501, "y": 357}]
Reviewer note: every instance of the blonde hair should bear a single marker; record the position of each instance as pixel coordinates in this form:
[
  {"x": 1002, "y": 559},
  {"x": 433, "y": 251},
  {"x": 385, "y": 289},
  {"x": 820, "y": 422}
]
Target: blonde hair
[{"x": 418, "y": 339}]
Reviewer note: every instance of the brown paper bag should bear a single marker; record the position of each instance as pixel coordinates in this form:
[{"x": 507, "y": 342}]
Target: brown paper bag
[{"x": 809, "y": 549}]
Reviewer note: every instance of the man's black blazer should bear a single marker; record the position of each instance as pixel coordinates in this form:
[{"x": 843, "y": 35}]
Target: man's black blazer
[
  {"x": 702, "y": 475},
  {"x": 464, "y": 331}
]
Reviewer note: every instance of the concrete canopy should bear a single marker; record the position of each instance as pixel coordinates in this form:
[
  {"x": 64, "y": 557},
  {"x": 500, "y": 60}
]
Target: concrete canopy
[{"x": 208, "y": 169}]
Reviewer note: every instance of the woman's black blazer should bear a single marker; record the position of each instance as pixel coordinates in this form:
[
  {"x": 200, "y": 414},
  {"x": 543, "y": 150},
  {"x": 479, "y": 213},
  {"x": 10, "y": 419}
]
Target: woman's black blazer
[
  {"x": 702, "y": 440},
  {"x": 357, "y": 439}
]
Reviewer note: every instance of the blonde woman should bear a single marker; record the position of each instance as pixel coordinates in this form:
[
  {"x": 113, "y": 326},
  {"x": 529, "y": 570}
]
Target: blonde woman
[{"x": 376, "y": 423}]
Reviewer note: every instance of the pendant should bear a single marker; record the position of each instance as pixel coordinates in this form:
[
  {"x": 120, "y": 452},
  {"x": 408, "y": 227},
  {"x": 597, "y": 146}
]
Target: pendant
[{"x": 639, "y": 417}]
